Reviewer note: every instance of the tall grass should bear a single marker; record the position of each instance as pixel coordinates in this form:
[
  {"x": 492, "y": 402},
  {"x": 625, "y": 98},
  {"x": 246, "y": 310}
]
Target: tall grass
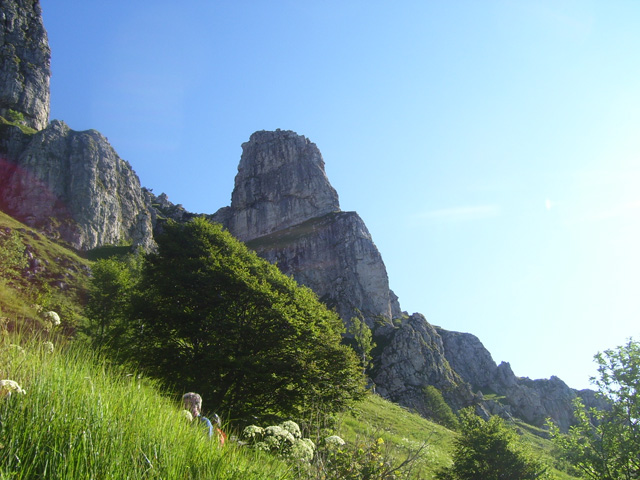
[{"x": 83, "y": 419}]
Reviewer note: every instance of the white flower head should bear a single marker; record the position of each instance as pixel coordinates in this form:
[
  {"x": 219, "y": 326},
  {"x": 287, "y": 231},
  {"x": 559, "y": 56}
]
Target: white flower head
[
  {"x": 279, "y": 433},
  {"x": 16, "y": 349},
  {"x": 252, "y": 432},
  {"x": 302, "y": 451},
  {"x": 293, "y": 428},
  {"x": 334, "y": 440},
  {"x": 52, "y": 317},
  {"x": 48, "y": 347},
  {"x": 7, "y": 387}
]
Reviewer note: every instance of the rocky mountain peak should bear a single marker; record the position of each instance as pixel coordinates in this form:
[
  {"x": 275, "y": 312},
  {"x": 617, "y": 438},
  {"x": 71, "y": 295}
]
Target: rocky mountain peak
[
  {"x": 281, "y": 182},
  {"x": 284, "y": 207},
  {"x": 25, "y": 59}
]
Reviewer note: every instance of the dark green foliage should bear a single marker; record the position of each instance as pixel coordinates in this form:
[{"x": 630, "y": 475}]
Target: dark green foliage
[
  {"x": 605, "y": 445},
  {"x": 212, "y": 317},
  {"x": 437, "y": 408},
  {"x": 490, "y": 450}
]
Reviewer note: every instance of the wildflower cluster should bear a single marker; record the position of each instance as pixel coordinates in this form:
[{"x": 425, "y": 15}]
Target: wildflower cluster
[
  {"x": 284, "y": 440},
  {"x": 7, "y": 387},
  {"x": 50, "y": 320}
]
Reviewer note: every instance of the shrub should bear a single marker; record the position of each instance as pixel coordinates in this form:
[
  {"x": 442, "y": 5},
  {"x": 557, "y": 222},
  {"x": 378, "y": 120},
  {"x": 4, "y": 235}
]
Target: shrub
[{"x": 490, "y": 450}]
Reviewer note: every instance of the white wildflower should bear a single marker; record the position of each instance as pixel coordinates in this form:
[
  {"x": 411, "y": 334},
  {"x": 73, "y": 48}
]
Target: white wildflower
[
  {"x": 293, "y": 428},
  {"x": 281, "y": 435},
  {"x": 16, "y": 349},
  {"x": 52, "y": 317},
  {"x": 334, "y": 440},
  {"x": 252, "y": 432},
  {"x": 48, "y": 347},
  {"x": 302, "y": 451},
  {"x": 9, "y": 386}
]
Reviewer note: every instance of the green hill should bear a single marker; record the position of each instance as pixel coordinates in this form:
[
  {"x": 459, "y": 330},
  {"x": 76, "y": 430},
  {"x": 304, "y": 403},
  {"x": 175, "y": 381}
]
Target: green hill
[{"x": 83, "y": 417}]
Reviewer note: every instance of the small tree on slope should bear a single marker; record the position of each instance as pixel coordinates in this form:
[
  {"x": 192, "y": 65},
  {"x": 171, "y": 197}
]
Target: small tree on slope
[{"x": 490, "y": 450}]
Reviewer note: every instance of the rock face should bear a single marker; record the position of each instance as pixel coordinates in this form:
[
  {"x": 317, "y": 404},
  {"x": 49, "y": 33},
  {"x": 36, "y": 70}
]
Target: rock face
[
  {"x": 24, "y": 63},
  {"x": 280, "y": 183},
  {"x": 530, "y": 400},
  {"x": 412, "y": 357},
  {"x": 72, "y": 185},
  {"x": 335, "y": 256},
  {"x": 284, "y": 207}
]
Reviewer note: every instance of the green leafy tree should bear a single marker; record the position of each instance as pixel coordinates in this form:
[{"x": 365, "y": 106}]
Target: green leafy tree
[
  {"x": 213, "y": 317},
  {"x": 605, "y": 444},
  {"x": 113, "y": 283},
  {"x": 363, "y": 339},
  {"x": 490, "y": 450}
]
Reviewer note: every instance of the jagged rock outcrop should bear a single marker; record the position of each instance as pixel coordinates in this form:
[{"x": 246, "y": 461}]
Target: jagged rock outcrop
[
  {"x": 533, "y": 401},
  {"x": 284, "y": 207},
  {"x": 413, "y": 356},
  {"x": 280, "y": 183},
  {"x": 25, "y": 60},
  {"x": 72, "y": 185}
]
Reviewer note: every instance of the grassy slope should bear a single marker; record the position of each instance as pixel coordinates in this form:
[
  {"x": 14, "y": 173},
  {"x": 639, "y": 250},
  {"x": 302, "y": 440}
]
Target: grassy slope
[
  {"x": 405, "y": 432},
  {"x": 59, "y": 284},
  {"x": 81, "y": 418},
  {"x": 402, "y": 431}
]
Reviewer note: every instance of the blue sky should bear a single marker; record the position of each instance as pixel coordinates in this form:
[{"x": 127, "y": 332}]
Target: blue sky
[{"x": 492, "y": 147}]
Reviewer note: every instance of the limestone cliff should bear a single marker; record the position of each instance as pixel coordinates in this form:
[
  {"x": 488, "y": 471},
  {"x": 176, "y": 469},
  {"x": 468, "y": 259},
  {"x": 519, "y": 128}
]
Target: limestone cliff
[
  {"x": 72, "y": 185},
  {"x": 413, "y": 356},
  {"x": 280, "y": 183},
  {"x": 24, "y": 63},
  {"x": 285, "y": 208}
]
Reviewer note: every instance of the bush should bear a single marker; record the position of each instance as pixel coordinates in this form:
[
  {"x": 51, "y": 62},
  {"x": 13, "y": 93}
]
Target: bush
[
  {"x": 490, "y": 450},
  {"x": 209, "y": 315}
]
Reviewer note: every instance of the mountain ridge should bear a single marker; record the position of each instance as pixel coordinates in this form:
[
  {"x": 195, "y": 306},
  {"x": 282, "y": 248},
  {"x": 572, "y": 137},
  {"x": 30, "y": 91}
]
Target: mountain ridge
[{"x": 73, "y": 186}]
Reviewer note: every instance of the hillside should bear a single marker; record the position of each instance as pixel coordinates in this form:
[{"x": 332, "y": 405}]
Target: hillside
[
  {"x": 55, "y": 278},
  {"x": 57, "y": 388},
  {"x": 83, "y": 418}
]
